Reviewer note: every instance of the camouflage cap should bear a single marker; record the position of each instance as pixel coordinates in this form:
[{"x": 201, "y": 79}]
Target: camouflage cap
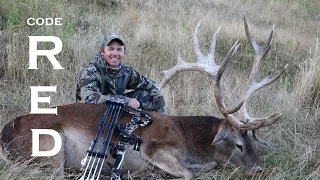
[{"x": 106, "y": 41}]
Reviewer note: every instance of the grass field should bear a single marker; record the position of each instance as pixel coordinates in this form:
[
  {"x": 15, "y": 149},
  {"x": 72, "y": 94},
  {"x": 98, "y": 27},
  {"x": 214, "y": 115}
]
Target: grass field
[{"x": 155, "y": 31}]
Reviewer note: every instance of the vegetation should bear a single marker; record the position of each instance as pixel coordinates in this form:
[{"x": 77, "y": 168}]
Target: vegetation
[{"x": 155, "y": 32}]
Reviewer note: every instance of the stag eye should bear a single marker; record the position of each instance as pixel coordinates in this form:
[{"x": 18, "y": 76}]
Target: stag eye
[{"x": 239, "y": 147}]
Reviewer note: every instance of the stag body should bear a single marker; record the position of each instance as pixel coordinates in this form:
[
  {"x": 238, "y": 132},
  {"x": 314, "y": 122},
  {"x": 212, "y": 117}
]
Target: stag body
[
  {"x": 175, "y": 144},
  {"x": 178, "y": 145}
]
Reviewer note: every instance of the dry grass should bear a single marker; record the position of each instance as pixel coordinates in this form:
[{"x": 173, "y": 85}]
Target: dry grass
[{"x": 155, "y": 31}]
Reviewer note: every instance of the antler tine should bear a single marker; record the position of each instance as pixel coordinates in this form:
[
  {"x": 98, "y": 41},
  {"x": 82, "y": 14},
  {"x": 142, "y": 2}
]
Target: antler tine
[
  {"x": 260, "y": 52},
  {"x": 169, "y": 74},
  {"x": 217, "y": 86},
  {"x": 264, "y": 82},
  {"x": 197, "y": 44},
  {"x": 204, "y": 64},
  {"x": 213, "y": 44}
]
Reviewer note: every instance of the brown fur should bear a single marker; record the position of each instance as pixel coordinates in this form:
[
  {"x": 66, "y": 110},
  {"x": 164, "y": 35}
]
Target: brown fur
[{"x": 177, "y": 145}]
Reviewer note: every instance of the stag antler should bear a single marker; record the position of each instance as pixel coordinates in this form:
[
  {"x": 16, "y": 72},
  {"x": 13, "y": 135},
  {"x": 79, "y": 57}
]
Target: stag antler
[
  {"x": 260, "y": 53},
  {"x": 207, "y": 65},
  {"x": 204, "y": 64}
]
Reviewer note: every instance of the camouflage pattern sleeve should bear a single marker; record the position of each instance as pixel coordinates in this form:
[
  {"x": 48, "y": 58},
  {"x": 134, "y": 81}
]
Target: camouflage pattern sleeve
[
  {"x": 136, "y": 81},
  {"x": 89, "y": 86}
]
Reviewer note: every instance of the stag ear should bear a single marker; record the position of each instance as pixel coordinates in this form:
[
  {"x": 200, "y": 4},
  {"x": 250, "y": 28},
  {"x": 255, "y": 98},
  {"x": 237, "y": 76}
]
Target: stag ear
[{"x": 221, "y": 135}]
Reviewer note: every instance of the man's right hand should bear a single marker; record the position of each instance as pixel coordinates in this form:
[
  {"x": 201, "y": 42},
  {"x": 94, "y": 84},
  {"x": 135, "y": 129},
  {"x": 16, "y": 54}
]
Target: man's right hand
[{"x": 134, "y": 103}]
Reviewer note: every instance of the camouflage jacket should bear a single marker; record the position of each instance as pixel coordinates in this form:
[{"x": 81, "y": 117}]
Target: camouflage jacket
[{"x": 90, "y": 82}]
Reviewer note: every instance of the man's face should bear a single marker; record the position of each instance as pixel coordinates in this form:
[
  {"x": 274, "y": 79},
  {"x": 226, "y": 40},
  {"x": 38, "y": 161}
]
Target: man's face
[{"x": 113, "y": 53}]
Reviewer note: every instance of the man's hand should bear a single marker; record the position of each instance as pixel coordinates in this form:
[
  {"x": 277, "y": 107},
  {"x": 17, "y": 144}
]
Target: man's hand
[{"x": 134, "y": 103}]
